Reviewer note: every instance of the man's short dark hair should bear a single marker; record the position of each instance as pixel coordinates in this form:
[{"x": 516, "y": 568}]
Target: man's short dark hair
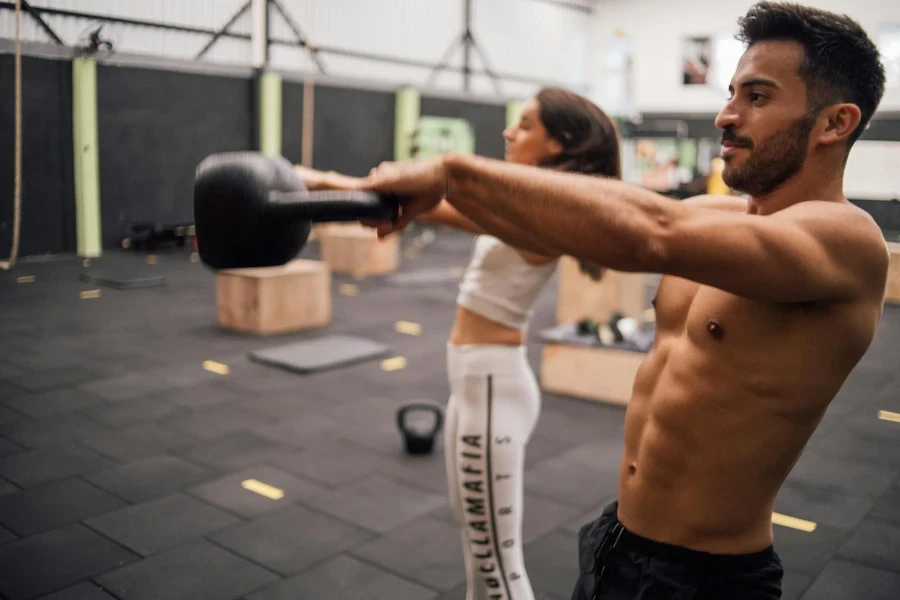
[{"x": 840, "y": 64}]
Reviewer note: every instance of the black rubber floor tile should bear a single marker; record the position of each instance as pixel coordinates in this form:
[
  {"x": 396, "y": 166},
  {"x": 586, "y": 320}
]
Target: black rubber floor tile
[
  {"x": 541, "y": 448},
  {"x": 8, "y": 371},
  {"x": 7, "y": 448},
  {"x": 52, "y": 402},
  {"x": 205, "y": 395},
  {"x": 75, "y": 553},
  {"x": 575, "y": 524},
  {"x": 841, "y": 510},
  {"x": 233, "y": 451},
  {"x": 841, "y": 580},
  {"x": 330, "y": 460},
  {"x": 126, "y": 386},
  {"x": 44, "y": 380},
  {"x": 570, "y": 480},
  {"x": 291, "y": 539},
  {"x": 551, "y": 563},
  {"x": 793, "y": 585},
  {"x": 30, "y": 469},
  {"x": 82, "y": 591},
  {"x": 887, "y": 508},
  {"x": 6, "y": 535},
  {"x": 424, "y": 472},
  {"x": 850, "y": 476},
  {"x": 426, "y": 550},
  {"x": 7, "y": 488},
  {"x": 806, "y": 553},
  {"x": 241, "y": 493},
  {"x": 8, "y": 416},
  {"x": 291, "y": 428},
  {"x": 9, "y": 391},
  {"x": 874, "y": 543},
  {"x": 214, "y": 422},
  {"x": 376, "y": 503},
  {"x": 137, "y": 442},
  {"x": 348, "y": 579},
  {"x": 191, "y": 572},
  {"x": 53, "y": 430},
  {"x": 132, "y": 412},
  {"x": 54, "y": 505},
  {"x": 149, "y": 478},
  {"x": 161, "y": 524}
]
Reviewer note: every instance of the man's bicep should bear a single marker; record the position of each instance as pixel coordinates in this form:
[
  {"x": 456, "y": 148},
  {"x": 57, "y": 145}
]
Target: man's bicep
[{"x": 792, "y": 256}]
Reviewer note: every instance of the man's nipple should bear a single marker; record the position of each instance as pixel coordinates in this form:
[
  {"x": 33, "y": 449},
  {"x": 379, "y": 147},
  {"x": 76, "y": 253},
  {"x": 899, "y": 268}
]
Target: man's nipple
[
  {"x": 632, "y": 469},
  {"x": 715, "y": 329}
]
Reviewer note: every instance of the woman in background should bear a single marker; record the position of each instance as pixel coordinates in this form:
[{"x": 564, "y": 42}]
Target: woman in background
[{"x": 495, "y": 398}]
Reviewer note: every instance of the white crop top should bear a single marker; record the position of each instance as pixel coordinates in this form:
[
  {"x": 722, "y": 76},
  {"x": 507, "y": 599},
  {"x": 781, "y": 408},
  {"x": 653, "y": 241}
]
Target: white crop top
[{"x": 500, "y": 285}]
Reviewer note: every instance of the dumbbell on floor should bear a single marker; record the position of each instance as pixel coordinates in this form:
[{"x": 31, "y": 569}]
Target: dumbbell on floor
[{"x": 253, "y": 210}]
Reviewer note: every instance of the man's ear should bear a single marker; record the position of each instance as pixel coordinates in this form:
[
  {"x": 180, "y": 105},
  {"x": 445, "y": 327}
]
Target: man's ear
[{"x": 840, "y": 121}]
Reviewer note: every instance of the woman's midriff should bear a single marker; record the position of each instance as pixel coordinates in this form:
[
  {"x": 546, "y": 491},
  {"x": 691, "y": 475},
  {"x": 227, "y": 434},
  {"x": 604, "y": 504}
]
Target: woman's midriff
[{"x": 471, "y": 328}]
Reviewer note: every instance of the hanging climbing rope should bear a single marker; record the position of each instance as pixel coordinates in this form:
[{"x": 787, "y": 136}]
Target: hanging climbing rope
[{"x": 17, "y": 178}]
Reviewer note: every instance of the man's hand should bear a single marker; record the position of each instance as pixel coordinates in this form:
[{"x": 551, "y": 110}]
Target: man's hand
[{"x": 420, "y": 184}]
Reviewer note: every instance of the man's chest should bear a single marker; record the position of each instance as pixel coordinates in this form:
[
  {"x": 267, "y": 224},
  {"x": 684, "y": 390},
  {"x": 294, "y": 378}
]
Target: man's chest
[{"x": 711, "y": 316}]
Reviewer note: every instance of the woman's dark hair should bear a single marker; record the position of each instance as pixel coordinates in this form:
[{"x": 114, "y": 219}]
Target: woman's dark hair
[{"x": 589, "y": 138}]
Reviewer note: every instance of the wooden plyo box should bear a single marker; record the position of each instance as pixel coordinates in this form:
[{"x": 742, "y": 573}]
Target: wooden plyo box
[
  {"x": 589, "y": 372},
  {"x": 892, "y": 294},
  {"x": 354, "y": 249},
  {"x": 579, "y": 297},
  {"x": 272, "y": 300}
]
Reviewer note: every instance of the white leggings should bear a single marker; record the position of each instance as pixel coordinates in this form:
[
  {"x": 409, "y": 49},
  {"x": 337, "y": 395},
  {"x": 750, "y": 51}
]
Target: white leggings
[{"x": 494, "y": 404}]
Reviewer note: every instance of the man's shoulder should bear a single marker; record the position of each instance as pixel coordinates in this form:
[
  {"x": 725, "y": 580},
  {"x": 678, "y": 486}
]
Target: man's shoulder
[{"x": 851, "y": 233}]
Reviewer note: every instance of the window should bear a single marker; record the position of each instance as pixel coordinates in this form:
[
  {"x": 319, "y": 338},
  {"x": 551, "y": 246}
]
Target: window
[{"x": 889, "y": 46}]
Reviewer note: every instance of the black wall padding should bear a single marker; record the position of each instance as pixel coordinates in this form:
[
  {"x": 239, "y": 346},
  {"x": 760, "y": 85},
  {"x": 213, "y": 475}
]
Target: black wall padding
[
  {"x": 292, "y": 121},
  {"x": 48, "y": 193},
  {"x": 154, "y": 128},
  {"x": 353, "y": 129},
  {"x": 488, "y": 120}
]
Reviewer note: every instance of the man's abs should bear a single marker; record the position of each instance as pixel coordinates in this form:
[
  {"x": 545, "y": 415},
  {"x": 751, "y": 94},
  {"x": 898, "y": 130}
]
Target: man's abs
[{"x": 722, "y": 407}]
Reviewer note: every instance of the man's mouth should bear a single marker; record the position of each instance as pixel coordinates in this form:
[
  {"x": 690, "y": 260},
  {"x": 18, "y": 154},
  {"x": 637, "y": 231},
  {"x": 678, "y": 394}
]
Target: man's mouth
[{"x": 729, "y": 148}]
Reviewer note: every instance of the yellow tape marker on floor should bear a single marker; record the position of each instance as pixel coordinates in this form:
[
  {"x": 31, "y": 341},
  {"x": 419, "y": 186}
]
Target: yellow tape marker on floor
[
  {"x": 348, "y": 289},
  {"x": 90, "y": 294},
  {"x": 408, "y": 327},
  {"x": 151, "y": 260},
  {"x": 886, "y": 415},
  {"x": 215, "y": 367},
  {"x": 25, "y": 279},
  {"x": 793, "y": 522},
  {"x": 393, "y": 364},
  {"x": 263, "y": 489}
]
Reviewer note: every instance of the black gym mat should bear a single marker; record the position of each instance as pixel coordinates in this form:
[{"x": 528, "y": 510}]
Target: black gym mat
[
  {"x": 321, "y": 354},
  {"x": 122, "y": 280}
]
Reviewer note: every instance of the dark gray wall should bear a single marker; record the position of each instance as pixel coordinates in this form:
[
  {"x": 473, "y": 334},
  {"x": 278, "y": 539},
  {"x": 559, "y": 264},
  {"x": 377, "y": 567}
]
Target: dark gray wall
[
  {"x": 48, "y": 192},
  {"x": 155, "y": 126}
]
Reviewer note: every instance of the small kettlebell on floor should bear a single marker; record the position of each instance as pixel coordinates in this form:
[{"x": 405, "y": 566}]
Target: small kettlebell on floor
[{"x": 418, "y": 441}]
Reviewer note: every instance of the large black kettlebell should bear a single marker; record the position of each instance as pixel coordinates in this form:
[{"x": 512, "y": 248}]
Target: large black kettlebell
[{"x": 416, "y": 441}]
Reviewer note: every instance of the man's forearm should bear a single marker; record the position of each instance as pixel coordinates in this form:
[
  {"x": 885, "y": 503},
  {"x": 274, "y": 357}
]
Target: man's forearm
[{"x": 591, "y": 218}]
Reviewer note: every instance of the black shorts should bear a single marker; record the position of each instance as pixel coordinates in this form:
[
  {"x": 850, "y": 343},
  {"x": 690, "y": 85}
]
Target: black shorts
[{"x": 615, "y": 564}]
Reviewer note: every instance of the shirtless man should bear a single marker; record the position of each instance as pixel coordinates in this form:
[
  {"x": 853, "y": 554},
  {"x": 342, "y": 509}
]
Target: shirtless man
[{"x": 764, "y": 309}]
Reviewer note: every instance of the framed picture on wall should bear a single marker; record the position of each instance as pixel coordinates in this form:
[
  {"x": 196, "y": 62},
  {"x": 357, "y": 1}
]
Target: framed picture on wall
[{"x": 696, "y": 53}]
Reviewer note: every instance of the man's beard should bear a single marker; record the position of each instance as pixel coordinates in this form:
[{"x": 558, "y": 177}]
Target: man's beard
[{"x": 775, "y": 160}]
